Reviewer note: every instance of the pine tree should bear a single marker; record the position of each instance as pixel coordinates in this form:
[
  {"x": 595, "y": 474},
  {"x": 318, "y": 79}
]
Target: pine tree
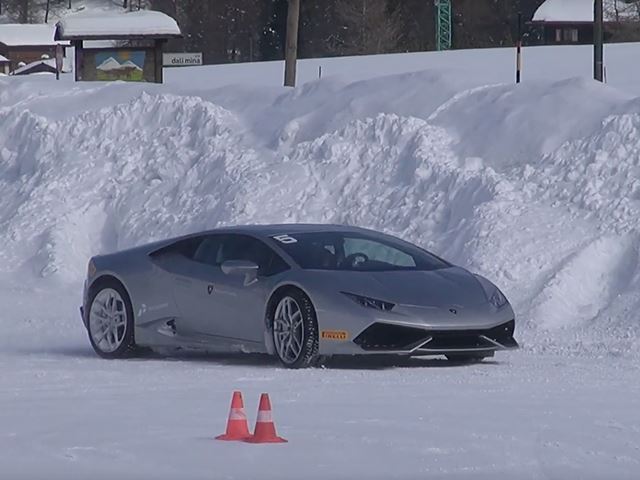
[{"x": 368, "y": 27}]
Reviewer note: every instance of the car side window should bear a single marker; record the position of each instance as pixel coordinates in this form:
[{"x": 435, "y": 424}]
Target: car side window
[
  {"x": 243, "y": 247},
  {"x": 209, "y": 250},
  {"x": 185, "y": 247}
]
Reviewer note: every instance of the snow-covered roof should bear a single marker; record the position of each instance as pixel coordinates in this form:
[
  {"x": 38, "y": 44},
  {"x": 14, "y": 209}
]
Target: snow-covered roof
[
  {"x": 579, "y": 11},
  {"x": 3, "y": 59},
  {"x": 27, "y": 34},
  {"x": 25, "y": 68},
  {"x": 142, "y": 23}
]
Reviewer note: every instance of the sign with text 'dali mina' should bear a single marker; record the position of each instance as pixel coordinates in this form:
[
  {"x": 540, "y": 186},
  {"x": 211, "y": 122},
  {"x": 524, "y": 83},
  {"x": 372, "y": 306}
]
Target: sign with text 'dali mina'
[{"x": 181, "y": 59}]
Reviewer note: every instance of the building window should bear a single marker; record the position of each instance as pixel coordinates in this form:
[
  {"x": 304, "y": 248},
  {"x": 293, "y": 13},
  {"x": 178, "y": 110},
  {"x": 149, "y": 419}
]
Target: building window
[
  {"x": 558, "y": 35},
  {"x": 570, "y": 35}
]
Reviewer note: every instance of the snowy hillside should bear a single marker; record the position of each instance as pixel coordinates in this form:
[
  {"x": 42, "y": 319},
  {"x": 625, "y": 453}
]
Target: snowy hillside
[{"x": 536, "y": 186}]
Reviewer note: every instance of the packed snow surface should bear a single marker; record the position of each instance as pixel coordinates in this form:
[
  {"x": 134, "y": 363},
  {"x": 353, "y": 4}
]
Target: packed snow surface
[{"x": 536, "y": 186}]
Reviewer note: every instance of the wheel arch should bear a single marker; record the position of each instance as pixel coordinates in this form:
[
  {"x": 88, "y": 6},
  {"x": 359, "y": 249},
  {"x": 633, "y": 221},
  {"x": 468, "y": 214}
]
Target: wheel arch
[
  {"x": 95, "y": 282},
  {"x": 270, "y": 308},
  {"x": 275, "y": 296},
  {"x": 107, "y": 276}
]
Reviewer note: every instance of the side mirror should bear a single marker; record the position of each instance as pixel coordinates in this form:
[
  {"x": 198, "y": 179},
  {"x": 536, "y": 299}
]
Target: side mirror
[{"x": 241, "y": 267}]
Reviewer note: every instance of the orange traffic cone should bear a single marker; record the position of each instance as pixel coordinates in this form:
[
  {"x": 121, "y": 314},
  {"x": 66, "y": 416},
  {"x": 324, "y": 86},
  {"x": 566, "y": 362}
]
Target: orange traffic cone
[
  {"x": 237, "y": 427},
  {"x": 265, "y": 431}
]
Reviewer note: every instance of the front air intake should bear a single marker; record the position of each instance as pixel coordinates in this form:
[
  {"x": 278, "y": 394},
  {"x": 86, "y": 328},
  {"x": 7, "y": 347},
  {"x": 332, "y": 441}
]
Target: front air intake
[{"x": 388, "y": 337}]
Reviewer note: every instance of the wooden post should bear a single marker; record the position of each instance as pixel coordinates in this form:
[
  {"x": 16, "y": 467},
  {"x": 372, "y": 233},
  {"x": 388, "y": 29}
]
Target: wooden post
[
  {"x": 59, "y": 60},
  {"x": 291, "y": 51},
  {"x": 598, "y": 40},
  {"x": 519, "y": 50},
  {"x": 77, "y": 44},
  {"x": 157, "y": 52}
]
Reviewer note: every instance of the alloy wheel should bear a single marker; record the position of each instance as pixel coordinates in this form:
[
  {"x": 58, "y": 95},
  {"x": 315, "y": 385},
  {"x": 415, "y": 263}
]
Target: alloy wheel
[
  {"x": 288, "y": 330},
  {"x": 108, "y": 320}
]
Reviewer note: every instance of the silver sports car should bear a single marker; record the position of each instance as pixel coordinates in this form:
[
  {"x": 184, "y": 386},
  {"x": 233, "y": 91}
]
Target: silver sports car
[{"x": 295, "y": 291}]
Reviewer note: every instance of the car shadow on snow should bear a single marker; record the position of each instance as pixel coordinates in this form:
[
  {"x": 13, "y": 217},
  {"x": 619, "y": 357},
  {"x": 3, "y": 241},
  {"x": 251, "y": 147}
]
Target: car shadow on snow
[
  {"x": 368, "y": 362},
  {"x": 376, "y": 362},
  {"x": 71, "y": 351}
]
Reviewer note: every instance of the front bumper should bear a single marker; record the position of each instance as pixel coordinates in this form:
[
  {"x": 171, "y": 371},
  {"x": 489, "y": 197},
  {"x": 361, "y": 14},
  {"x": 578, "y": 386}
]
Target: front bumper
[{"x": 381, "y": 337}]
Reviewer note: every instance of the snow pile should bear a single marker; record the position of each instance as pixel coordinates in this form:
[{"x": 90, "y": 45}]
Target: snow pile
[
  {"x": 529, "y": 185},
  {"x": 101, "y": 164}
]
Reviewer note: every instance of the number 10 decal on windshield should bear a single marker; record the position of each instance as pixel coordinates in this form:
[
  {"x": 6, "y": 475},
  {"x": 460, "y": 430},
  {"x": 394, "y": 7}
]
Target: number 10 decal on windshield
[{"x": 286, "y": 239}]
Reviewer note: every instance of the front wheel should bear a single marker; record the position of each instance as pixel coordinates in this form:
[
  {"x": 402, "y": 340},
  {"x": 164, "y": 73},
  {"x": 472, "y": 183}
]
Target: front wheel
[
  {"x": 295, "y": 330},
  {"x": 110, "y": 320}
]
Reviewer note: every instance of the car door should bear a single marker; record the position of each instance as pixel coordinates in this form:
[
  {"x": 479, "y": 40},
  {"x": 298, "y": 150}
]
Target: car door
[
  {"x": 240, "y": 300},
  {"x": 192, "y": 267},
  {"x": 228, "y": 307}
]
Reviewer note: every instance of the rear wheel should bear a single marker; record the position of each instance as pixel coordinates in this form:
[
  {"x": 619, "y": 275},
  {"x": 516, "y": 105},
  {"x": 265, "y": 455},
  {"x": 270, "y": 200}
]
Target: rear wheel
[
  {"x": 295, "y": 330},
  {"x": 110, "y": 320}
]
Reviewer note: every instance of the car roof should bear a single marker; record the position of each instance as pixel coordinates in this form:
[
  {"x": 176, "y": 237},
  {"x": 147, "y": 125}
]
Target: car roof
[{"x": 287, "y": 228}]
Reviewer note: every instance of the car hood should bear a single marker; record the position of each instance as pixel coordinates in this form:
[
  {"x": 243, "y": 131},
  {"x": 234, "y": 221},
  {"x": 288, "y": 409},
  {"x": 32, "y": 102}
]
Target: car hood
[{"x": 437, "y": 288}]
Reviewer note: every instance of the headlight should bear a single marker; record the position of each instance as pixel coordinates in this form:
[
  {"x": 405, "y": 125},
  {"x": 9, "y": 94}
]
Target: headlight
[
  {"x": 370, "y": 302},
  {"x": 493, "y": 293},
  {"x": 498, "y": 300}
]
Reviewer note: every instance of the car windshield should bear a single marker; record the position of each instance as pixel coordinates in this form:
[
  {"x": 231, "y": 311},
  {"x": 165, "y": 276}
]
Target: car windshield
[{"x": 356, "y": 252}]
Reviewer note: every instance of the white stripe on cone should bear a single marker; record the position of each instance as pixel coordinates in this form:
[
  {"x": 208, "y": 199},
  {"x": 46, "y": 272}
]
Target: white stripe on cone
[
  {"x": 237, "y": 415},
  {"x": 264, "y": 416}
]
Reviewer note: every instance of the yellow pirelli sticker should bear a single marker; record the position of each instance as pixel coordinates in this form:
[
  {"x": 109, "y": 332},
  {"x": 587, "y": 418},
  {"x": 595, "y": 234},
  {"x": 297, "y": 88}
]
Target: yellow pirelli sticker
[{"x": 334, "y": 335}]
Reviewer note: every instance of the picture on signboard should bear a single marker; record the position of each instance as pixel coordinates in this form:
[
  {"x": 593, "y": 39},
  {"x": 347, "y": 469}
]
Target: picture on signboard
[{"x": 127, "y": 65}]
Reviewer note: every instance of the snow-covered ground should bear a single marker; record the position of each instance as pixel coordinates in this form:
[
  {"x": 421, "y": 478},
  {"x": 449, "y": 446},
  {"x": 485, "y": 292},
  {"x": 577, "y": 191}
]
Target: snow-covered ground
[
  {"x": 66, "y": 415},
  {"x": 536, "y": 186}
]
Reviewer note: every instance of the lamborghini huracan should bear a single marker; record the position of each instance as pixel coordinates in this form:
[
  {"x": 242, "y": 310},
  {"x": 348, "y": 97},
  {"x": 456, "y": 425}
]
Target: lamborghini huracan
[{"x": 299, "y": 292}]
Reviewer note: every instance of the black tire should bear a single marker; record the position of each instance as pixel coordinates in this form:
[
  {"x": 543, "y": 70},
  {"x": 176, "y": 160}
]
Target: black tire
[
  {"x": 308, "y": 355},
  {"x": 465, "y": 358},
  {"x": 128, "y": 346}
]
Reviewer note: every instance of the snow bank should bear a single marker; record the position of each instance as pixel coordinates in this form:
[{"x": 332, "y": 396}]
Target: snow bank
[{"x": 530, "y": 185}]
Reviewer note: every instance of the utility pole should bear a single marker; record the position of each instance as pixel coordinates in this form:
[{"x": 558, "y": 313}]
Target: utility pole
[
  {"x": 291, "y": 49},
  {"x": 519, "y": 50},
  {"x": 598, "y": 40}
]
